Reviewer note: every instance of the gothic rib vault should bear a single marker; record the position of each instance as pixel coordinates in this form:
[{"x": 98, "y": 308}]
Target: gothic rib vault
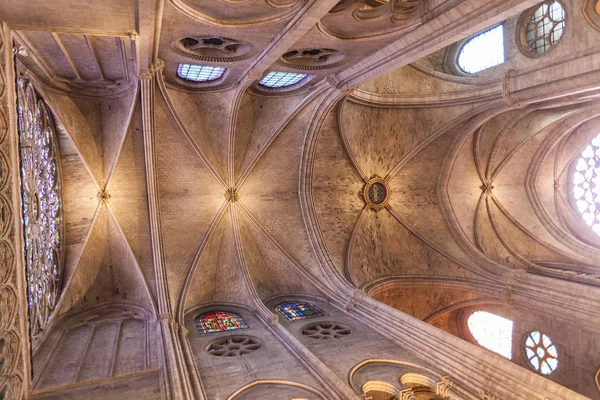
[{"x": 180, "y": 198}]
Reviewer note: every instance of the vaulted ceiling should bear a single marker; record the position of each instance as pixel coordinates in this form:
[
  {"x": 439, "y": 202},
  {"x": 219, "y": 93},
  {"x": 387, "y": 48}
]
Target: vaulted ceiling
[{"x": 478, "y": 190}]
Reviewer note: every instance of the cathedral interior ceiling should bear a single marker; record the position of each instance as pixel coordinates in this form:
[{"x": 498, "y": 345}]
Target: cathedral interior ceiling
[{"x": 464, "y": 206}]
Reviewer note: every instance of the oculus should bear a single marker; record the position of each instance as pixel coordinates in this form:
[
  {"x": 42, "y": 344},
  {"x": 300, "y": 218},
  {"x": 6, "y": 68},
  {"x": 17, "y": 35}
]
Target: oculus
[
  {"x": 492, "y": 332},
  {"x": 219, "y": 322},
  {"x": 482, "y": 51},
  {"x": 233, "y": 346},
  {"x": 541, "y": 28},
  {"x": 541, "y": 353},
  {"x": 213, "y": 48},
  {"x": 313, "y": 59},
  {"x": 586, "y": 184},
  {"x": 199, "y": 73},
  {"x": 295, "y": 311},
  {"x": 42, "y": 204},
  {"x": 376, "y": 193},
  {"x": 276, "y": 80},
  {"x": 326, "y": 330}
]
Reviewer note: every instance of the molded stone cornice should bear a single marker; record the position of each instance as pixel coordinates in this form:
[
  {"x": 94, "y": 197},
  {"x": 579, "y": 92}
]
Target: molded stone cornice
[{"x": 466, "y": 18}]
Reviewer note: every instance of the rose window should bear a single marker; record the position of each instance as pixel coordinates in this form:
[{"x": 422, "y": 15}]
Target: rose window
[
  {"x": 586, "y": 184},
  {"x": 41, "y": 204},
  {"x": 541, "y": 353}
]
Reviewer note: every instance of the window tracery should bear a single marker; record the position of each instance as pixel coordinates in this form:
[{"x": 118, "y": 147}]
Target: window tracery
[
  {"x": 233, "y": 346},
  {"x": 492, "y": 332},
  {"x": 199, "y": 73},
  {"x": 542, "y": 27},
  {"x": 482, "y": 51},
  {"x": 326, "y": 330},
  {"x": 219, "y": 322},
  {"x": 586, "y": 184},
  {"x": 541, "y": 353},
  {"x": 41, "y": 204},
  {"x": 281, "y": 79},
  {"x": 295, "y": 311}
]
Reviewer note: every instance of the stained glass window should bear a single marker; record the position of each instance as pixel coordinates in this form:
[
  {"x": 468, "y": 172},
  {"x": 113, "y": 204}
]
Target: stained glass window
[
  {"x": 295, "y": 311},
  {"x": 483, "y": 51},
  {"x": 545, "y": 26},
  {"x": 586, "y": 184},
  {"x": 41, "y": 204},
  {"x": 281, "y": 79},
  {"x": 219, "y": 322},
  {"x": 199, "y": 73},
  {"x": 541, "y": 353},
  {"x": 492, "y": 332}
]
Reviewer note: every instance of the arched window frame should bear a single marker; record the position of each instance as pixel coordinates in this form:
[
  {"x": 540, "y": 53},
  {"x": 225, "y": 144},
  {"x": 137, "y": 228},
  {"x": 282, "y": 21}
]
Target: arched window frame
[
  {"x": 458, "y": 50},
  {"x": 183, "y": 73},
  {"x": 299, "y": 310},
  {"x": 508, "y": 347},
  {"x": 220, "y": 326}
]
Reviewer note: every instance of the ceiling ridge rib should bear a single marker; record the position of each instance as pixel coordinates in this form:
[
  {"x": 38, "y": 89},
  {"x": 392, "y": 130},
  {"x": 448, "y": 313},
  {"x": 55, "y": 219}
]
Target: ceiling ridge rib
[
  {"x": 351, "y": 154},
  {"x": 323, "y": 288},
  {"x": 464, "y": 117},
  {"x": 137, "y": 263},
  {"x": 239, "y": 94},
  {"x": 171, "y": 107},
  {"x": 191, "y": 271},
  {"x": 351, "y": 242},
  {"x": 43, "y": 89},
  {"x": 312, "y": 96},
  {"x": 65, "y": 52},
  {"x": 136, "y": 98},
  {"x": 67, "y": 287},
  {"x": 261, "y": 308}
]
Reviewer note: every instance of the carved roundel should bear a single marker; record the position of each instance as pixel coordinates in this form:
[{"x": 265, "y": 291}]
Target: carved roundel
[
  {"x": 326, "y": 330},
  {"x": 313, "y": 59},
  {"x": 212, "y": 48},
  {"x": 376, "y": 193},
  {"x": 233, "y": 346}
]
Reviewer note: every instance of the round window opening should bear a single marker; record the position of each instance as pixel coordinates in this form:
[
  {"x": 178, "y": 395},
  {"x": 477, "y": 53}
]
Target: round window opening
[
  {"x": 542, "y": 27},
  {"x": 541, "y": 353},
  {"x": 326, "y": 330},
  {"x": 586, "y": 184},
  {"x": 376, "y": 193}
]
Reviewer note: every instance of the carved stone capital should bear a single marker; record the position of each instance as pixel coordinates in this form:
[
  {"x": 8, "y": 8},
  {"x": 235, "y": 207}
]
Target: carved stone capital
[
  {"x": 355, "y": 299},
  {"x": 507, "y": 90},
  {"x": 273, "y": 319}
]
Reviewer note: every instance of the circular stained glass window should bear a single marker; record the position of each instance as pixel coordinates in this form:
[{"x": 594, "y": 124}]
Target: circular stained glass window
[
  {"x": 541, "y": 353},
  {"x": 542, "y": 27},
  {"x": 42, "y": 204},
  {"x": 586, "y": 184}
]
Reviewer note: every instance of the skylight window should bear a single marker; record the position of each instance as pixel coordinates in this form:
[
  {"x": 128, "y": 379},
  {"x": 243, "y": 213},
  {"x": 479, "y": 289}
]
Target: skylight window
[
  {"x": 492, "y": 332},
  {"x": 281, "y": 79},
  {"x": 483, "y": 51},
  {"x": 199, "y": 73},
  {"x": 586, "y": 184}
]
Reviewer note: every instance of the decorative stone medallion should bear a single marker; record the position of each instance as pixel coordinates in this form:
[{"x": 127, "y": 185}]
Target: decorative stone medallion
[{"x": 376, "y": 193}]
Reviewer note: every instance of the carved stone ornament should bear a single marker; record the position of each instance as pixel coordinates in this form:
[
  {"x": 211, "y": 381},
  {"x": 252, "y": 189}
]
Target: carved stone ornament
[
  {"x": 212, "y": 49},
  {"x": 376, "y": 193},
  {"x": 313, "y": 59}
]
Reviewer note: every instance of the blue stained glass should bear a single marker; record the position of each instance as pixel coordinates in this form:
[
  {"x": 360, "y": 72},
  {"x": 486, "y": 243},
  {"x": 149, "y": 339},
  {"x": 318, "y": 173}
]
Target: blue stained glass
[
  {"x": 295, "y": 311},
  {"x": 281, "y": 79},
  {"x": 199, "y": 73}
]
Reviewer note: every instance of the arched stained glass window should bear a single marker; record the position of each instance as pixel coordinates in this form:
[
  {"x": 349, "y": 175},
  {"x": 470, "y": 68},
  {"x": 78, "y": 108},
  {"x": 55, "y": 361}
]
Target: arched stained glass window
[
  {"x": 586, "y": 184},
  {"x": 492, "y": 332},
  {"x": 541, "y": 353},
  {"x": 199, "y": 73},
  {"x": 42, "y": 204},
  {"x": 219, "y": 322},
  {"x": 483, "y": 51},
  {"x": 281, "y": 79},
  {"x": 295, "y": 311}
]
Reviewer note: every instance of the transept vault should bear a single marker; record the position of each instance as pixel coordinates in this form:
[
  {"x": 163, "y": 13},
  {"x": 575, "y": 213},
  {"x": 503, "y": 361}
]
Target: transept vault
[{"x": 300, "y": 199}]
